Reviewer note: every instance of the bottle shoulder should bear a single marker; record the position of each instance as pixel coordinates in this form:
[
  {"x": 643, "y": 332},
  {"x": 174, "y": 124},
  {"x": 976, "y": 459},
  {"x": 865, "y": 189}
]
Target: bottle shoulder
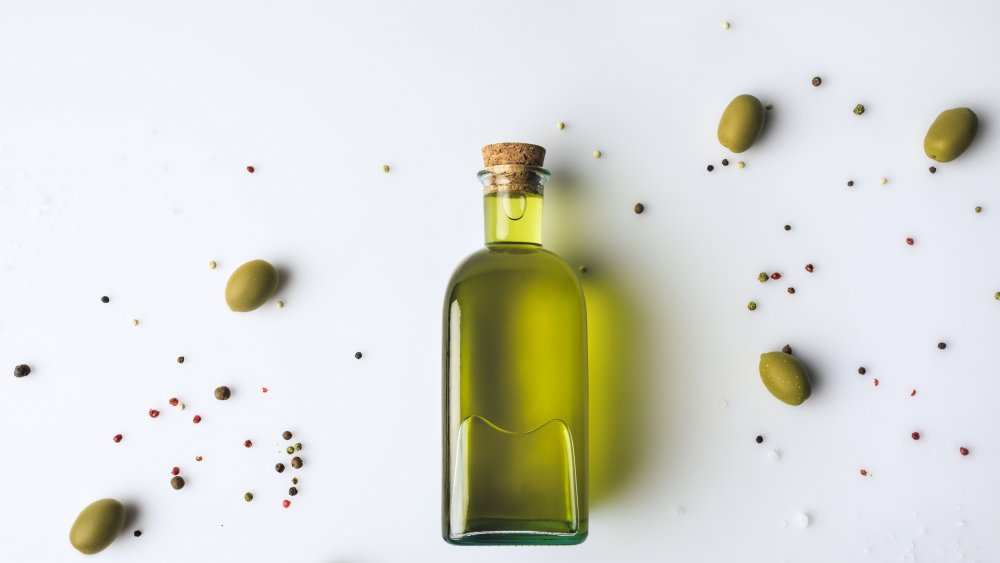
[{"x": 527, "y": 259}]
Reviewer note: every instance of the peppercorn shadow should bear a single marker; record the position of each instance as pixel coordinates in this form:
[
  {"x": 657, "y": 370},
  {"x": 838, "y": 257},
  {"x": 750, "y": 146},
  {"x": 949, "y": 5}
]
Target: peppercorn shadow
[{"x": 622, "y": 386}]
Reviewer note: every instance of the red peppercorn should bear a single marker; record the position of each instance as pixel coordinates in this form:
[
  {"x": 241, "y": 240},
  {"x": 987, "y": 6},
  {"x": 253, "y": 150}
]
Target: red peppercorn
[
  {"x": 876, "y": 382},
  {"x": 117, "y": 438},
  {"x": 247, "y": 443},
  {"x": 963, "y": 450},
  {"x": 263, "y": 389},
  {"x": 175, "y": 471},
  {"x": 915, "y": 435},
  {"x": 153, "y": 413},
  {"x": 776, "y": 276},
  {"x": 250, "y": 169},
  {"x": 286, "y": 503},
  {"x": 864, "y": 472},
  {"x": 173, "y": 401},
  {"x": 913, "y": 393},
  {"x": 809, "y": 267},
  {"x": 909, "y": 241},
  {"x": 196, "y": 419}
]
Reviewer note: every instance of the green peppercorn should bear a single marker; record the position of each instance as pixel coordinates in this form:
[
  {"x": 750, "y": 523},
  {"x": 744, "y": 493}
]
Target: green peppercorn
[
  {"x": 752, "y": 305},
  {"x": 296, "y": 462},
  {"x": 996, "y": 296},
  {"x": 979, "y": 209},
  {"x": 295, "y": 480},
  {"x": 859, "y": 109},
  {"x": 762, "y": 277},
  {"x": 298, "y": 446},
  {"x": 292, "y": 491},
  {"x": 248, "y": 496},
  {"x": 290, "y": 449},
  {"x": 286, "y": 435}
]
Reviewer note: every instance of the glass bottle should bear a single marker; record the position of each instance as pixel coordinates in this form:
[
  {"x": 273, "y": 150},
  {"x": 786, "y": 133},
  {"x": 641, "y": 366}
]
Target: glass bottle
[{"x": 515, "y": 374}]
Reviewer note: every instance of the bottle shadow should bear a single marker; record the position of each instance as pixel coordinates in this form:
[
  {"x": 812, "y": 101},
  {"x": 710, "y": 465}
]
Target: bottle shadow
[{"x": 623, "y": 386}]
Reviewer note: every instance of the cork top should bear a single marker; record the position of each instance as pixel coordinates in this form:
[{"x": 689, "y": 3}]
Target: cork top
[{"x": 513, "y": 153}]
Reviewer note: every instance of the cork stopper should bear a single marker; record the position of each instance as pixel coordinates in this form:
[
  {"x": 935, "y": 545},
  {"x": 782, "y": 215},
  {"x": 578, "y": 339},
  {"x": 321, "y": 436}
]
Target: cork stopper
[{"x": 513, "y": 153}]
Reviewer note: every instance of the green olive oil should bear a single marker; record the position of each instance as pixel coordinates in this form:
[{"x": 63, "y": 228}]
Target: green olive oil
[{"x": 515, "y": 375}]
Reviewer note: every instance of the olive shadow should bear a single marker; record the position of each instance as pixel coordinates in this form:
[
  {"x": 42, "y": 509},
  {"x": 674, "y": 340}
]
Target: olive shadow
[
  {"x": 770, "y": 116},
  {"x": 285, "y": 277},
  {"x": 132, "y": 513},
  {"x": 622, "y": 383}
]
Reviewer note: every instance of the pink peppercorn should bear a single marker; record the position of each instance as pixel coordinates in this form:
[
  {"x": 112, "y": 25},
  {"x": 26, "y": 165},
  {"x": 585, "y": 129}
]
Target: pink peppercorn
[
  {"x": 153, "y": 413},
  {"x": 963, "y": 450},
  {"x": 864, "y": 472},
  {"x": 196, "y": 419},
  {"x": 175, "y": 471},
  {"x": 173, "y": 401},
  {"x": 876, "y": 382},
  {"x": 247, "y": 443},
  {"x": 909, "y": 241},
  {"x": 117, "y": 438},
  {"x": 263, "y": 389},
  {"x": 915, "y": 435},
  {"x": 286, "y": 503},
  {"x": 776, "y": 276},
  {"x": 250, "y": 169}
]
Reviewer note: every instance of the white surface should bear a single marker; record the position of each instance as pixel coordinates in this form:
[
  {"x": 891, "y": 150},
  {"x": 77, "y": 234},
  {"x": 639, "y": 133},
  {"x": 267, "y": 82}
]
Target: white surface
[{"x": 124, "y": 131}]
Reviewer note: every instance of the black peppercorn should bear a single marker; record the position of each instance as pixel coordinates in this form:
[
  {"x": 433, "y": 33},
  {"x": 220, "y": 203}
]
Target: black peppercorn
[
  {"x": 177, "y": 482},
  {"x": 788, "y": 227},
  {"x": 760, "y": 439},
  {"x": 357, "y": 355},
  {"x": 710, "y": 168},
  {"x": 850, "y": 183},
  {"x": 725, "y": 162},
  {"x": 292, "y": 491},
  {"x": 223, "y": 393},
  {"x": 21, "y": 370},
  {"x": 862, "y": 370},
  {"x": 787, "y": 349},
  {"x": 296, "y": 462},
  {"x": 286, "y": 435},
  {"x": 791, "y": 290},
  {"x": 932, "y": 169},
  {"x": 816, "y": 81},
  {"x": 639, "y": 208},
  {"x": 180, "y": 359},
  {"x": 942, "y": 345},
  {"x": 279, "y": 467},
  {"x": 137, "y": 533},
  {"x": 106, "y": 299}
]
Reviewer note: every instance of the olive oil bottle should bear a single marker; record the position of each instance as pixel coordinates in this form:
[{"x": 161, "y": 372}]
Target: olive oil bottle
[{"x": 515, "y": 374}]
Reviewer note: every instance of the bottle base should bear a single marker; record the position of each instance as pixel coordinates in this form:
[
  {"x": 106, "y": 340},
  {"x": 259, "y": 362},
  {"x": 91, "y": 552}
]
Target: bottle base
[{"x": 516, "y": 538}]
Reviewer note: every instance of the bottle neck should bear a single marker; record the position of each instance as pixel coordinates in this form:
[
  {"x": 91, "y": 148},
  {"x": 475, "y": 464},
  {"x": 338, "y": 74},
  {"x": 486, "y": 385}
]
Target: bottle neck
[
  {"x": 512, "y": 203},
  {"x": 513, "y": 217}
]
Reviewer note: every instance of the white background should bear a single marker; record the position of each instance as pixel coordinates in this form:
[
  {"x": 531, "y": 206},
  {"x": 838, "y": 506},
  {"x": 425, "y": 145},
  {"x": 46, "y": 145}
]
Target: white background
[{"x": 125, "y": 129}]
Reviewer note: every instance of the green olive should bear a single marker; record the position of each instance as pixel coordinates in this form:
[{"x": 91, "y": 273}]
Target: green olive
[
  {"x": 741, "y": 123},
  {"x": 251, "y": 285},
  {"x": 950, "y": 134},
  {"x": 97, "y": 525},
  {"x": 785, "y": 377}
]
